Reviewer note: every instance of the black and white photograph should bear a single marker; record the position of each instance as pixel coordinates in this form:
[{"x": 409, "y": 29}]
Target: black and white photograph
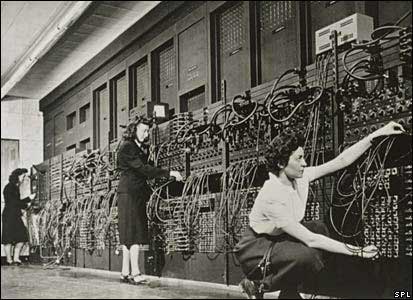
[{"x": 206, "y": 150}]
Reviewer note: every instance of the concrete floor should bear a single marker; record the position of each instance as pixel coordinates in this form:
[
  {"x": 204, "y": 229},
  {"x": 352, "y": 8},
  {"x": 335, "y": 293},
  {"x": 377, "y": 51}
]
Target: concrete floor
[
  {"x": 31, "y": 281},
  {"x": 59, "y": 282}
]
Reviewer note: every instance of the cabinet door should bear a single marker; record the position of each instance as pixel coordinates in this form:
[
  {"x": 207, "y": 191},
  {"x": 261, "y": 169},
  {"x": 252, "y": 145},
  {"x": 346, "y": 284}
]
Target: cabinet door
[
  {"x": 278, "y": 38},
  {"x": 59, "y": 131},
  {"x": 101, "y": 117},
  {"x": 167, "y": 77},
  {"x": 234, "y": 49},
  {"x": 122, "y": 111},
  {"x": 142, "y": 85},
  {"x": 192, "y": 56},
  {"x": 48, "y": 139}
]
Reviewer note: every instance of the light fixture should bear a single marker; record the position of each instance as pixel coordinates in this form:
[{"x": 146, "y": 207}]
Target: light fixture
[{"x": 55, "y": 31}]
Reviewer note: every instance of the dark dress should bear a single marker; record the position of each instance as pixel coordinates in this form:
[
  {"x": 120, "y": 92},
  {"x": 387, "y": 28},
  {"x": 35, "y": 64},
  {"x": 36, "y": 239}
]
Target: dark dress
[
  {"x": 13, "y": 229},
  {"x": 133, "y": 193}
]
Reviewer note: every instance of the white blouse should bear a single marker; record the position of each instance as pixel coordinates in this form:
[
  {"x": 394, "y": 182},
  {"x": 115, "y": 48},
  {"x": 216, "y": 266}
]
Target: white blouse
[{"x": 277, "y": 204}]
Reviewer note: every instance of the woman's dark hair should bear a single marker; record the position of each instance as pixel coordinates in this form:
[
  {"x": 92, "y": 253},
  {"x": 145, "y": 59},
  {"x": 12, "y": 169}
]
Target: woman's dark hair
[
  {"x": 14, "y": 176},
  {"x": 280, "y": 150},
  {"x": 130, "y": 132}
]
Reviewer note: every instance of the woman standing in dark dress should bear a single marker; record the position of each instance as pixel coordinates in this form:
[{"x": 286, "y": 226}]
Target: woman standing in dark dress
[
  {"x": 133, "y": 194},
  {"x": 13, "y": 230}
]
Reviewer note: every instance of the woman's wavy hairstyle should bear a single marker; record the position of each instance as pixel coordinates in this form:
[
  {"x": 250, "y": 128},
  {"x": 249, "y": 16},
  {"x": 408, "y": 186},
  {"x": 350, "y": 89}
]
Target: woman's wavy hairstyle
[
  {"x": 280, "y": 149},
  {"x": 14, "y": 176},
  {"x": 130, "y": 132}
]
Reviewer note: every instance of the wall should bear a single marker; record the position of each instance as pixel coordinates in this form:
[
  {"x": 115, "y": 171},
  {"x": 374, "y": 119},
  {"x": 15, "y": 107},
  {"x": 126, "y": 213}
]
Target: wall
[{"x": 21, "y": 121}]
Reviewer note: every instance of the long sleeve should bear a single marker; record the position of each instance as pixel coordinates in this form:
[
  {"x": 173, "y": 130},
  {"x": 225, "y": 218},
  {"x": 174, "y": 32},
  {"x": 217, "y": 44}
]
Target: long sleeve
[
  {"x": 12, "y": 197},
  {"x": 129, "y": 159}
]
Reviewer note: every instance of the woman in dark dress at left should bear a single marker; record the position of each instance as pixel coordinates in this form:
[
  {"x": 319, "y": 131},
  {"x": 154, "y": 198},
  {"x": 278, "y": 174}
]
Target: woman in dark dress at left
[{"x": 13, "y": 230}]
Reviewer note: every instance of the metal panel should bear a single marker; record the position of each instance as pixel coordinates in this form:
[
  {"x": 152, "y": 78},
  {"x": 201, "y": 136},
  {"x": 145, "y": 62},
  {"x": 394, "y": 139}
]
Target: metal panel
[
  {"x": 391, "y": 11},
  {"x": 275, "y": 14},
  {"x": 85, "y": 144},
  {"x": 59, "y": 130},
  {"x": 324, "y": 13},
  {"x": 97, "y": 260},
  {"x": 115, "y": 260},
  {"x": 84, "y": 113},
  {"x": 71, "y": 135},
  {"x": 85, "y": 129},
  {"x": 234, "y": 58},
  {"x": 193, "y": 100},
  {"x": 177, "y": 267},
  {"x": 142, "y": 85},
  {"x": 122, "y": 105},
  {"x": 192, "y": 56},
  {"x": 197, "y": 100},
  {"x": 102, "y": 116},
  {"x": 80, "y": 257},
  {"x": 278, "y": 38},
  {"x": 167, "y": 85},
  {"x": 48, "y": 139}
]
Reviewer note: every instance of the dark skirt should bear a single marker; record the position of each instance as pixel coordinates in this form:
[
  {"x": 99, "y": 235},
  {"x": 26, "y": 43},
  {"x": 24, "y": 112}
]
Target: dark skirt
[
  {"x": 132, "y": 218},
  {"x": 13, "y": 230},
  {"x": 292, "y": 262}
]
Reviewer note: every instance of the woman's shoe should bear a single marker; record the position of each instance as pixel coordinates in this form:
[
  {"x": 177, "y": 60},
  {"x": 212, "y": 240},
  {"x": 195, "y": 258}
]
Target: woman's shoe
[
  {"x": 250, "y": 288},
  {"x": 17, "y": 263},
  {"x": 289, "y": 294},
  {"x": 136, "y": 279},
  {"x": 9, "y": 263},
  {"x": 124, "y": 278}
]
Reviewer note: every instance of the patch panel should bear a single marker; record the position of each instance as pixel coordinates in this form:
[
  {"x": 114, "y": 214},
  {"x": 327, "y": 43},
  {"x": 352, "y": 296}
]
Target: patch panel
[
  {"x": 312, "y": 211},
  {"x": 206, "y": 232}
]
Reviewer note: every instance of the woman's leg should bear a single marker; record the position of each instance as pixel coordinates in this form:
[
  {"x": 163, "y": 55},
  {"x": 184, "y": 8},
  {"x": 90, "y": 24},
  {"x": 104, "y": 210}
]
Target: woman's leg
[
  {"x": 292, "y": 263},
  {"x": 7, "y": 249},
  {"x": 17, "y": 249},
  {"x": 134, "y": 256},
  {"x": 125, "y": 261}
]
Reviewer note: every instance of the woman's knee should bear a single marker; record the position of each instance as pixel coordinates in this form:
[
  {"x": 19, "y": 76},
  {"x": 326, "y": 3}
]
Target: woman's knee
[
  {"x": 322, "y": 228},
  {"x": 318, "y": 226},
  {"x": 310, "y": 259}
]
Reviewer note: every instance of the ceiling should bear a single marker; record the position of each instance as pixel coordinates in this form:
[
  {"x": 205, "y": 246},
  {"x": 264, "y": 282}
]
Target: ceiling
[{"x": 45, "y": 42}]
